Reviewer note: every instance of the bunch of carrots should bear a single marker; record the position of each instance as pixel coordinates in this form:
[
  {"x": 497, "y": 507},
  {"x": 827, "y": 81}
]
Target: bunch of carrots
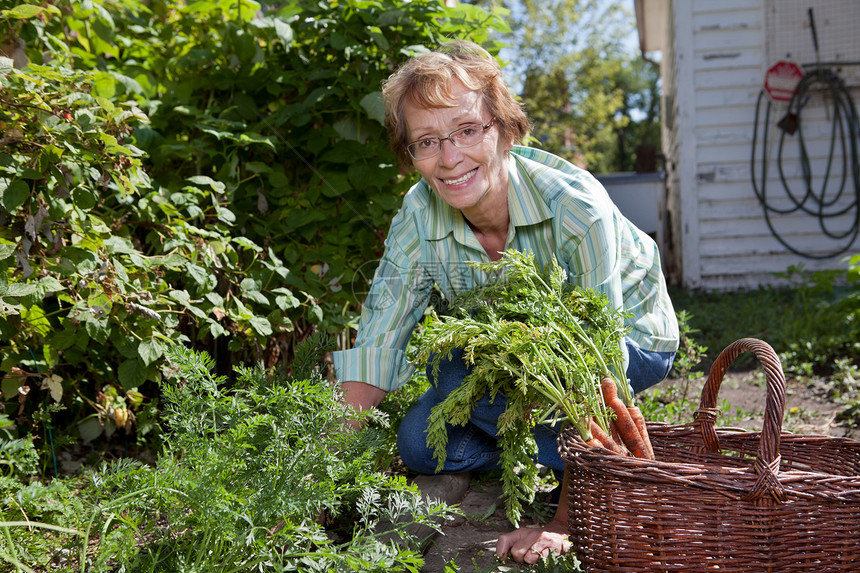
[
  {"x": 628, "y": 433},
  {"x": 547, "y": 346}
]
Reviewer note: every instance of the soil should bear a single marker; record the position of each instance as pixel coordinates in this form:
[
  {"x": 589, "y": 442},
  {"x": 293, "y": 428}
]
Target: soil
[{"x": 469, "y": 541}]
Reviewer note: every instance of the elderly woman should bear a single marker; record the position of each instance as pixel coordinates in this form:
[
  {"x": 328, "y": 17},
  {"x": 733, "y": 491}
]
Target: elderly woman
[{"x": 451, "y": 117}]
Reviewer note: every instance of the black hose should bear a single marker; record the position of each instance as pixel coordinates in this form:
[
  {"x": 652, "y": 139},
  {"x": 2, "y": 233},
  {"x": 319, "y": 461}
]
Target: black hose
[{"x": 844, "y": 138}]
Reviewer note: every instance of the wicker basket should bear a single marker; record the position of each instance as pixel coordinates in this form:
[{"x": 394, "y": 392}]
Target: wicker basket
[{"x": 726, "y": 500}]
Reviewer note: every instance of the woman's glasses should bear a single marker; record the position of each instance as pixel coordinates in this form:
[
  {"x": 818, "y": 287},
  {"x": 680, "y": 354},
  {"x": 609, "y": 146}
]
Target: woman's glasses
[{"x": 466, "y": 136}]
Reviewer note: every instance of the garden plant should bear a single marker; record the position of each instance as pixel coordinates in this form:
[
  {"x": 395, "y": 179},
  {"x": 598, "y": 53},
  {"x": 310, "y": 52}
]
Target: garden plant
[
  {"x": 246, "y": 469},
  {"x": 213, "y": 174}
]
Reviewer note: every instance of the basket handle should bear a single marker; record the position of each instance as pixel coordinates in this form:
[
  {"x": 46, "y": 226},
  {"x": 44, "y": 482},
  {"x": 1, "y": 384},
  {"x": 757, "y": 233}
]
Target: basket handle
[{"x": 767, "y": 462}]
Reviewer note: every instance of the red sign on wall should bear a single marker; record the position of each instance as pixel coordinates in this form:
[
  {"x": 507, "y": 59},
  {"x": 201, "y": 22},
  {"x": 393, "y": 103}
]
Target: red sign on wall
[{"x": 781, "y": 79}]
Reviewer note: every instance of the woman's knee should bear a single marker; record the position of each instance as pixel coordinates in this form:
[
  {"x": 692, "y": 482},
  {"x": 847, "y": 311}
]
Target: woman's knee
[
  {"x": 647, "y": 368},
  {"x": 412, "y": 437},
  {"x": 416, "y": 457},
  {"x": 468, "y": 447}
]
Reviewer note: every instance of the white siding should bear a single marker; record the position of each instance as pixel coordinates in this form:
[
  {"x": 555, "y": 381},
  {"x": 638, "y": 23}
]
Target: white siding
[
  {"x": 717, "y": 234},
  {"x": 680, "y": 247},
  {"x": 727, "y": 45}
]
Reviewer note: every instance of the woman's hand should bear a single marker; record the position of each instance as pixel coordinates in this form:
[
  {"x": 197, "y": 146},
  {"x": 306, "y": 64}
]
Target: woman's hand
[{"x": 530, "y": 544}]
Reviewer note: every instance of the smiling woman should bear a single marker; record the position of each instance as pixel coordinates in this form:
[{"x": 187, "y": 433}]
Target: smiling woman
[
  {"x": 451, "y": 118},
  {"x": 427, "y": 82},
  {"x": 470, "y": 178}
]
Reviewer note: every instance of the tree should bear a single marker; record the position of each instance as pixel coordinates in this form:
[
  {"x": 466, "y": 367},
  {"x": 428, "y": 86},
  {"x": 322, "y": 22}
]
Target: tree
[{"x": 591, "y": 98}]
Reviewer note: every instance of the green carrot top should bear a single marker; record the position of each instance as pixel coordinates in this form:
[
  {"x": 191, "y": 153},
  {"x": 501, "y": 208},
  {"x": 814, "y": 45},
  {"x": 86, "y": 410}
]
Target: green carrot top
[{"x": 542, "y": 343}]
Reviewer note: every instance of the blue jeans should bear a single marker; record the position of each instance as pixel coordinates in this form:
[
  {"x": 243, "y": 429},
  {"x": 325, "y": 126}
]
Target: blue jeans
[{"x": 474, "y": 446}]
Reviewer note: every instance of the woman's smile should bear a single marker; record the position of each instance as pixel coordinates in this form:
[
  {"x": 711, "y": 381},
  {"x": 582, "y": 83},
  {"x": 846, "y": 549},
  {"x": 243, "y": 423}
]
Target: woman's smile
[{"x": 460, "y": 180}]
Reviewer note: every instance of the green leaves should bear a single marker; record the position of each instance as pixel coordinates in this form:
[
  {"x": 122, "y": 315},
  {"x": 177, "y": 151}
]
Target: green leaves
[
  {"x": 150, "y": 350},
  {"x": 372, "y": 104},
  {"x": 131, "y": 374},
  {"x": 13, "y": 194},
  {"x": 853, "y": 273},
  {"x": 28, "y": 11},
  {"x": 589, "y": 85},
  {"x": 533, "y": 338},
  {"x": 190, "y": 173},
  {"x": 246, "y": 472},
  {"x": 17, "y": 455}
]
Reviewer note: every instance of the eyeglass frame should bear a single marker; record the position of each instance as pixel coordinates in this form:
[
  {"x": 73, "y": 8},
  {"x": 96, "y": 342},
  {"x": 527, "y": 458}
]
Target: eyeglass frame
[{"x": 484, "y": 128}]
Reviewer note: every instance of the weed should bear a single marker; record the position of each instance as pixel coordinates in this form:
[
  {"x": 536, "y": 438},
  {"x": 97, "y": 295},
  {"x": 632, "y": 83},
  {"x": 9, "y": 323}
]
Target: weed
[
  {"x": 551, "y": 564},
  {"x": 395, "y": 405},
  {"x": 845, "y": 389},
  {"x": 689, "y": 354},
  {"x": 18, "y": 456},
  {"x": 38, "y": 521},
  {"x": 676, "y": 403},
  {"x": 810, "y": 323},
  {"x": 672, "y": 404}
]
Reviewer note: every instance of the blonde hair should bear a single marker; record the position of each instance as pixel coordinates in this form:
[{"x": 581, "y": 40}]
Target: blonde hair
[{"x": 426, "y": 81}]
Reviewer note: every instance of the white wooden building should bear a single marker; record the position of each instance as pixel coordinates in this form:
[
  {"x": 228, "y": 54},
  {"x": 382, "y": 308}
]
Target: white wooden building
[{"x": 714, "y": 56}]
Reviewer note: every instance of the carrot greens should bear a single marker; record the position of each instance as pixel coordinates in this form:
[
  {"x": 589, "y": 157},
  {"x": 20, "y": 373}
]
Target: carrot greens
[{"x": 543, "y": 344}]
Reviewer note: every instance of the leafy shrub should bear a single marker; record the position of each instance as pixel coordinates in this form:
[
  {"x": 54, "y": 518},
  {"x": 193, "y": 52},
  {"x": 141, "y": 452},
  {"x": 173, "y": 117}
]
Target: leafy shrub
[
  {"x": 75, "y": 304},
  {"x": 17, "y": 455},
  {"x": 246, "y": 470},
  {"x": 213, "y": 173}
]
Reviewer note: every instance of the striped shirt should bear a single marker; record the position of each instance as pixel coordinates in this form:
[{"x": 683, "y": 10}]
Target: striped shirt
[{"x": 556, "y": 209}]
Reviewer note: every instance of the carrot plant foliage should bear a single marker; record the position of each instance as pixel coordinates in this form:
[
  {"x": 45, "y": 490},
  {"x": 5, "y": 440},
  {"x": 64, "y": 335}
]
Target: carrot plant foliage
[
  {"x": 246, "y": 471},
  {"x": 543, "y": 344}
]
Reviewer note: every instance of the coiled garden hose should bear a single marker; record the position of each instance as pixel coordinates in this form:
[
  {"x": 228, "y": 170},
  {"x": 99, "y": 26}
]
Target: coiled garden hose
[{"x": 823, "y": 203}]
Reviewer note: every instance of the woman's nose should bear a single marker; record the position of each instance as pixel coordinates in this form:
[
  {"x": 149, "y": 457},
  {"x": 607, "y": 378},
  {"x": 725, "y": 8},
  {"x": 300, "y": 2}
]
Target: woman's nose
[{"x": 449, "y": 153}]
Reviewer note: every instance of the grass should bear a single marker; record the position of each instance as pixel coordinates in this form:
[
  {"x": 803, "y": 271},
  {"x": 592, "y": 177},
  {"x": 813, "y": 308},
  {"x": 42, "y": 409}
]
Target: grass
[{"x": 811, "y": 324}]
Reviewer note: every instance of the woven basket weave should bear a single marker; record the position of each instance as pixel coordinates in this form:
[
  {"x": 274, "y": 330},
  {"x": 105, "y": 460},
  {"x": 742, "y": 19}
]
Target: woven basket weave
[{"x": 725, "y": 500}]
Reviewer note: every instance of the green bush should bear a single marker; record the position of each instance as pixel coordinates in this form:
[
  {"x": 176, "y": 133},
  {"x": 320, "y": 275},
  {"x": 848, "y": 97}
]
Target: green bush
[
  {"x": 81, "y": 301},
  {"x": 213, "y": 174}
]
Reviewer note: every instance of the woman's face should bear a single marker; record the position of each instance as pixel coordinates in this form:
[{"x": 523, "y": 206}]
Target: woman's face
[{"x": 466, "y": 178}]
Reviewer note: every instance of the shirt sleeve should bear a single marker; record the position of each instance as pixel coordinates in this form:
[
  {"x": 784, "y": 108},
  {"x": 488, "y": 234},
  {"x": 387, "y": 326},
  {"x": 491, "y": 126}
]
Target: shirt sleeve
[
  {"x": 595, "y": 264},
  {"x": 398, "y": 296},
  {"x": 601, "y": 249}
]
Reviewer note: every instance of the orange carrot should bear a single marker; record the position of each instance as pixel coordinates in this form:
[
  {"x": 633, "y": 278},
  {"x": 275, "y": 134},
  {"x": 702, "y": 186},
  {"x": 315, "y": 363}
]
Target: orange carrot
[
  {"x": 605, "y": 439},
  {"x": 639, "y": 420},
  {"x": 627, "y": 429},
  {"x": 593, "y": 443},
  {"x": 613, "y": 431}
]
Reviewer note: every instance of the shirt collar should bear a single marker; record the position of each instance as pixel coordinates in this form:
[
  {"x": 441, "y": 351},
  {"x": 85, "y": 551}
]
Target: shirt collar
[
  {"x": 444, "y": 219},
  {"x": 525, "y": 205}
]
